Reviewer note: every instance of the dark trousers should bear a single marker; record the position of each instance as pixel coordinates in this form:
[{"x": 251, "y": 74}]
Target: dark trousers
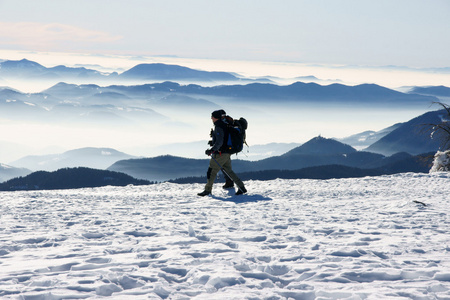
[{"x": 224, "y": 160}]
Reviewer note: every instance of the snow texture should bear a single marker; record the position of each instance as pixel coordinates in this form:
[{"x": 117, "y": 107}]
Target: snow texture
[
  {"x": 384, "y": 237},
  {"x": 441, "y": 162}
]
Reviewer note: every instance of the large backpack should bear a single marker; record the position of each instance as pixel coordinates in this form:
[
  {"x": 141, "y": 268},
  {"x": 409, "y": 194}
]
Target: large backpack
[{"x": 236, "y": 134}]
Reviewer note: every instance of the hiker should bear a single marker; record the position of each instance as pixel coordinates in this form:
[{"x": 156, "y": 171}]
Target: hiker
[
  {"x": 220, "y": 158},
  {"x": 228, "y": 182}
]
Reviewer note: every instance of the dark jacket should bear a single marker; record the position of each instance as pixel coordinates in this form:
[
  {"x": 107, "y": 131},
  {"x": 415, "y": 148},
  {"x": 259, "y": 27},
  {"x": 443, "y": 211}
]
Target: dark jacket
[{"x": 220, "y": 137}]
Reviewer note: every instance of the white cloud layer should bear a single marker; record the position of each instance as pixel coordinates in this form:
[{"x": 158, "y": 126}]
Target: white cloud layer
[{"x": 46, "y": 36}]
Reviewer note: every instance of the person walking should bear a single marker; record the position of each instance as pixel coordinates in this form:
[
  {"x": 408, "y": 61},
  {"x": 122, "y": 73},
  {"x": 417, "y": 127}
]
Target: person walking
[{"x": 220, "y": 159}]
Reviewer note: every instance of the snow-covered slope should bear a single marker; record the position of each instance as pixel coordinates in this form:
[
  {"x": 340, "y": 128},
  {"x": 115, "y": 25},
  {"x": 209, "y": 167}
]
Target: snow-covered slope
[{"x": 365, "y": 238}]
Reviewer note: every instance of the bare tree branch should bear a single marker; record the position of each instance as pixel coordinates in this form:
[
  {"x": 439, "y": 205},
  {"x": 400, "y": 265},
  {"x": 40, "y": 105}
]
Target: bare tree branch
[{"x": 441, "y": 130}]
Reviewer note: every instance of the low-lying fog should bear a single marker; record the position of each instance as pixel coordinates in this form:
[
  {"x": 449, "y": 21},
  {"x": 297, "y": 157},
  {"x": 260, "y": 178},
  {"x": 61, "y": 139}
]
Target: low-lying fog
[{"x": 269, "y": 123}]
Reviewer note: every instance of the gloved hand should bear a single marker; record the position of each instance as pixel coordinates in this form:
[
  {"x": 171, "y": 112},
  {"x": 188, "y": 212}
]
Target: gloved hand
[{"x": 209, "y": 152}]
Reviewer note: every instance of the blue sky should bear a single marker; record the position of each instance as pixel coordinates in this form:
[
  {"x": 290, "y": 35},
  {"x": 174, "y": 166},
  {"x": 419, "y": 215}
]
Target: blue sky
[{"x": 410, "y": 33}]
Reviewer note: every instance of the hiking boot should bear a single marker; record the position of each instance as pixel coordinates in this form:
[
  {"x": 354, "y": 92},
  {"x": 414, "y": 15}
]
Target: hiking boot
[
  {"x": 204, "y": 193},
  {"x": 241, "y": 191},
  {"x": 228, "y": 185}
]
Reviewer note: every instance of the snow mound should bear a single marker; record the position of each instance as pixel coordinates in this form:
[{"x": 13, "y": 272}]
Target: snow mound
[
  {"x": 384, "y": 237},
  {"x": 441, "y": 162}
]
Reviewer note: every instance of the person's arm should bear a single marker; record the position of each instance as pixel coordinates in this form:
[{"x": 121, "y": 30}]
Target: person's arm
[{"x": 219, "y": 135}]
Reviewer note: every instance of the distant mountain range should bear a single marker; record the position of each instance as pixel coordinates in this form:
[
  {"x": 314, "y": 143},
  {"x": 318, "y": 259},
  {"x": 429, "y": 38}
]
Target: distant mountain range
[
  {"x": 299, "y": 91},
  {"x": 439, "y": 91},
  {"x": 365, "y": 93},
  {"x": 121, "y": 106},
  {"x": 98, "y": 158},
  {"x": 316, "y": 152},
  {"x": 7, "y": 172},
  {"x": 26, "y": 69},
  {"x": 366, "y": 138},
  {"x": 413, "y": 136},
  {"x": 395, "y": 150},
  {"x": 159, "y": 71},
  {"x": 72, "y": 103}
]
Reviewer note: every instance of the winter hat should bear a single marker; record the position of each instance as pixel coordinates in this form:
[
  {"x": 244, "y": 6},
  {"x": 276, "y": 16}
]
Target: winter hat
[{"x": 217, "y": 114}]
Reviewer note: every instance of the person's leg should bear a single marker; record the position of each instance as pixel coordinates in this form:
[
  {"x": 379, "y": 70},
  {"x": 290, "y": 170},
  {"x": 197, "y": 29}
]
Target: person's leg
[
  {"x": 228, "y": 182},
  {"x": 226, "y": 165},
  {"x": 211, "y": 174}
]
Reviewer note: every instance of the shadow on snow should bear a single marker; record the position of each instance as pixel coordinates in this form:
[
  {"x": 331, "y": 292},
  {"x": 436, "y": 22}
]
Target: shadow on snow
[{"x": 241, "y": 198}]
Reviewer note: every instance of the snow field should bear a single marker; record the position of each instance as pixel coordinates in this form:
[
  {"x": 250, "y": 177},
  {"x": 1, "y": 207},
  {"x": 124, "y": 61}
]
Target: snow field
[{"x": 359, "y": 238}]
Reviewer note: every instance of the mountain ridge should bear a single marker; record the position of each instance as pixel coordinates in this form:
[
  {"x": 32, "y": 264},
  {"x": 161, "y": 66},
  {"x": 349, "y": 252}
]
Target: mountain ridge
[
  {"x": 440, "y": 91},
  {"x": 363, "y": 93},
  {"x": 8, "y": 172},
  {"x": 28, "y": 69},
  {"x": 412, "y": 136},
  {"x": 298, "y": 91},
  {"x": 159, "y": 71},
  {"x": 99, "y": 158},
  {"x": 321, "y": 145},
  {"x": 166, "y": 167}
]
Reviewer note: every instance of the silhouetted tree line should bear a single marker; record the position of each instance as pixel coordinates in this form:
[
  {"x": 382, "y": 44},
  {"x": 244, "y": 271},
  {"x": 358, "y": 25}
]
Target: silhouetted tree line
[
  {"x": 70, "y": 178},
  {"x": 320, "y": 172},
  {"x": 81, "y": 177},
  {"x": 418, "y": 164}
]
